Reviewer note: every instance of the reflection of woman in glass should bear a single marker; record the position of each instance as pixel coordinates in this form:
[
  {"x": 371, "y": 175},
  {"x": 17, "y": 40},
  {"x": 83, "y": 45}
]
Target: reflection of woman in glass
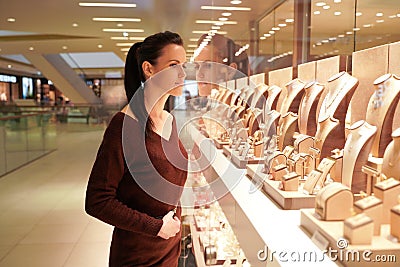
[
  {"x": 222, "y": 51},
  {"x": 137, "y": 146}
]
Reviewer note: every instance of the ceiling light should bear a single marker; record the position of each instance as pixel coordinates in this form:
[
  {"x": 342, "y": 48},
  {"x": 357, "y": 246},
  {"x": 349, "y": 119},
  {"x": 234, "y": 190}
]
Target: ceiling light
[
  {"x": 319, "y": 43},
  {"x": 282, "y": 25},
  {"x": 125, "y": 34},
  {"x": 337, "y": 1},
  {"x": 31, "y": 48},
  {"x": 326, "y": 7},
  {"x": 122, "y": 30},
  {"x": 356, "y": 29},
  {"x": 120, "y": 25},
  {"x": 190, "y": 50},
  {"x": 267, "y": 35},
  {"x": 11, "y": 19},
  {"x": 65, "y": 47},
  {"x": 126, "y": 49},
  {"x": 219, "y": 23},
  {"x": 325, "y": 41},
  {"x": 317, "y": 12},
  {"x": 349, "y": 33},
  {"x": 332, "y": 39},
  {"x": 100, "y": 46},
  {"x": 379, "y": 38},
  {"x": 236, "y": 2},
  {"x": 379, "y": 14},
  {"x": 117, "y": 19},
  {"x": 275, "y": 28},
  {"x": 271, "y": 32},
  {"x": 222, "y": 19},
  {"x": 192, "y": 45},
  {"x": 340, "y": 35},
  {"x": 337, "y": 13},
  {"x": 193, "y": 39},
  {"x": 124, "y": 44},
  {"x": 263, "y": 38},
  {"x": 75, "y": 25},
  {"x": 9, "y": 66},
  {"x": 320, "y": 4},
  {"x": 106, "y": 4},
  {"x": 229, "y": 8},
  {"x": 289, "y": 20},
  {"x": 367, "y": 25},
  {"x": 380, "y": 21},
  {"x": 202, "y": 32},
  {"x": 392, "y": 16},
  {"x": 358, "y": 14},
  {"x": 398, "y": 15},
  {"x": 226, "y": 14},
  {"x": 119, "y": 38},
  {"x": 214, "y": 27},
  {"x": 231, "y": 22}
]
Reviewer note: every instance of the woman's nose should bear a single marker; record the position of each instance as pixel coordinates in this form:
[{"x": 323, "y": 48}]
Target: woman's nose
[{"x": 182, "y": 73}]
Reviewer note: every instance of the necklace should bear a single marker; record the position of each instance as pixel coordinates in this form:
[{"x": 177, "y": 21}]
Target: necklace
[{"x": 331, "y": 99}]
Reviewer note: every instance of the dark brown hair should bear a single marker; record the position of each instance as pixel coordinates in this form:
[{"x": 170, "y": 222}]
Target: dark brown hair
[{"x": 148, "y": 50}]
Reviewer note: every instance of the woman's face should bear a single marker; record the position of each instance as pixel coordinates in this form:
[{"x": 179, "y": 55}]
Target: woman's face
[{"x": 168, "y": 72}]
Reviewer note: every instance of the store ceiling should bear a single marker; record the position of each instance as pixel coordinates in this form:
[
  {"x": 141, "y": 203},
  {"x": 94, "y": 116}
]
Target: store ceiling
[{"x": 63, "y": 26}]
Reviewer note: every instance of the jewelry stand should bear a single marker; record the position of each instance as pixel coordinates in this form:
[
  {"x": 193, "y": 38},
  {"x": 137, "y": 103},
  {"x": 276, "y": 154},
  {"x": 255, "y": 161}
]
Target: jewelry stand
[
  {"x": 259, "y": 97},
  {"x": 341, "y": 87},
  {"x": 273, "y": 95},
  {"x": 355, "y": 155},
  {"x": 329, "y": 136},
  {"x": 308, "y": 108},
  {"x": 291, "y": 102},
  {"x": 286, "y": 129},
  {"x": 381, "y": 109},
  {"x": 391, "y": 157}
]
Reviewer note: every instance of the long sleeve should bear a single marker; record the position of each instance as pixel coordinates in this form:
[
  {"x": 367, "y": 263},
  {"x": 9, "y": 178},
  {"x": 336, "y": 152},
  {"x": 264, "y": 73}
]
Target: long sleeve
[{"x": 108, "y": 170}]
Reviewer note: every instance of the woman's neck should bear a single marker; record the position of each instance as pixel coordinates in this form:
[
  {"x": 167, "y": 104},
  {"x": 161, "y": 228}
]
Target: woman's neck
[{"x": 154, "y": 103}]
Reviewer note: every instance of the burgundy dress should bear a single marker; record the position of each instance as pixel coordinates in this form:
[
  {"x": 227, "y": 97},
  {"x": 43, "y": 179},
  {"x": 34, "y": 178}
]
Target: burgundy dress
[{"x": 117, "y": 191}]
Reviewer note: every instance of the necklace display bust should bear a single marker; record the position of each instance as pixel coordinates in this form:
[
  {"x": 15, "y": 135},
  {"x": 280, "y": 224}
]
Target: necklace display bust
[
  {"x": 380, "y": 111},
  {"x": 329, "y": 135},
  {"x": 287, "y": 127},
  {"x": 340, "y": 88},
  {"x": 259, "y": 97},
  {"x": 273, "y": 95},
  {"x": 391, "y": 157},
  {"x": 308, "y": 108},
  {"x": 355, "y": 155},
  {"x": 293, "y": 96}
]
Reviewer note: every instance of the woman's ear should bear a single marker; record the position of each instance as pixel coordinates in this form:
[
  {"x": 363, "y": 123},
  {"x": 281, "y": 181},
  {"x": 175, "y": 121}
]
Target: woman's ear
[{"x": 147, "y": 69}]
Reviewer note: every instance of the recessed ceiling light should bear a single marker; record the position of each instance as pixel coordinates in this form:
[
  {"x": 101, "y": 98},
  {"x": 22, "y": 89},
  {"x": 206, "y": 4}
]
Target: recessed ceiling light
[
  {"x": 31, "y": 48},
  {"x": 392, "y": 16},
  {"x": 220, "y": 23},
  {"x": 124, "y": 44},
  {"x": 64, "y": 47},
  {"x": 275, "y": 28},
  {"x": 337, "y": 13},
  {"x": 75, "y": 25},
  {"x": 122, "y": 30},
  {"x": 226, "y": 14},
  {"x": 317, "y": 12},
  {"x": 326, "y": 7},
  {"x": 358, "y": 14},
  {"x": 332, "y": 38},
  {"x": 193, "y": 39},
  {"x": 349, "y": 32},
  {"x": 236, "y": 2},
  {"x": 380, "y": 21},
  {"x": 9, "y": 66},
  {"x": 137, "y": 38},
  {"x": 86, "y": 4},
  {"x": 340, "y": 35},
  {"x": 125, "y": 49},
  {"x": 319, "y": 43},
  {"x": 100, "y": 46},
  {"x": 356, "y": 29},
  {"x": 119, "y": 38},
  {"x": 192, "y": 45},
  {"x": 120, "y": 25},
  {"x": 267, "y": 35},
  {"x": 202, "y": 32},
  {"x": 282, "y": 25},
  {"x": 117, "y": 19},
  {"x": 379, "y": 38},
  {"x": 125, "y": 34},
  {"x": 190, "y": 50},
  {"x": 271, "y": 32},
  {"x": 289, "y": 20},
  {"x": 214, "y": 27},
  {"x": 337, "y": 1},
  {"x": 222, "y": 19},
  {"x": 228, "y": 8},
  {"x": 367, "y": 25},
  {"x": 263, "y": 38},
  {"x": 379, "y": 14},
  {"x": 11, "y": 19},
  {"x": 320, "y": 3},
  {"x": 398, "y": 15}
]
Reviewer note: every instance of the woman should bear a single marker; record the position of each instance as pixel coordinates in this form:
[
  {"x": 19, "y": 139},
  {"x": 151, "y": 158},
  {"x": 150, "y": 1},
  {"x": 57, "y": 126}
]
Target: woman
[{"x": 140, "y": 169}]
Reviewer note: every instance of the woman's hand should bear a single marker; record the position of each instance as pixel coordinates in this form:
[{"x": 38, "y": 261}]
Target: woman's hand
[{"x": 171, "y": 226}]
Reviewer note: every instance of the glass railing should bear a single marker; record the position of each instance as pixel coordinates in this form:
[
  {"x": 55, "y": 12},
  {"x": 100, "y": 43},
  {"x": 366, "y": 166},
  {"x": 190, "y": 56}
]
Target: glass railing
[{"x": 24, "y": 138}]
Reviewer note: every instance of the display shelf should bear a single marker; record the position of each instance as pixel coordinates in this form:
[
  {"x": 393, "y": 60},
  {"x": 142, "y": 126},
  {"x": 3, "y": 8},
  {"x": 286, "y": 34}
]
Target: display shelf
[
  {"x": 258, "y": 223},
  {"x": 219, "y": 143},
  {"x": 332, "y": 231},
  {"x": 227, "y": 151},
  {"x": 288, "y": 200},
  {"x": 241, "y": 162}
]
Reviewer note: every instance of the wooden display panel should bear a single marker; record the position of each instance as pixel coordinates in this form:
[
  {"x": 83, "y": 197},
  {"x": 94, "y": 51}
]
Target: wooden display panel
[
  {"x": 287, "y": 200},
  {"x": 333, "y": 231},
  {"x": 242, "y": 162},
  {"x": 280, "y": 78},
  {"x": 307, "y": 71},
  {"x": 394, "y": 58},
  {"x": 257, "y": 79},
  {"x": 367, "y": 65},
  {"x": 241, "y": 83}
]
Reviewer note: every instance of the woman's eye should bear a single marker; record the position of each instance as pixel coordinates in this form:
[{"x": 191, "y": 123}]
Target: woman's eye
[{"x": 173, "y": 65}]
